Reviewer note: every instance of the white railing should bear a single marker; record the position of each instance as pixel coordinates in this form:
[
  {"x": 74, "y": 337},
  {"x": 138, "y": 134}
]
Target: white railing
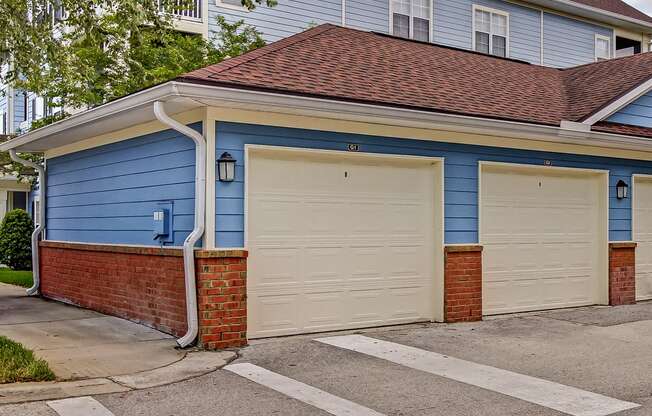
[{"x": 188, "y": 10}]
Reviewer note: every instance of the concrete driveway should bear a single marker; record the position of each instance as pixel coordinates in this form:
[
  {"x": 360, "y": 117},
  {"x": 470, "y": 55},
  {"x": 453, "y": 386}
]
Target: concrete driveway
[
  {"x": 586, "y": 361},
  {"x": 79, "y": 343}
]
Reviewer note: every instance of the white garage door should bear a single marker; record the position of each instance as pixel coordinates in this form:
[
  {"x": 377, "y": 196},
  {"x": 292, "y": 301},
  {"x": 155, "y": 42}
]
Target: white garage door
[
  {"x": 338, "y": 241},
  {"x": 643, "y": 236},
  {"x": 544, "y": 237}
]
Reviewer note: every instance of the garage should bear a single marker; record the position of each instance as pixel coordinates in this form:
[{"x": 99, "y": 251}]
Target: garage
[
  {"x": 544, "y": 233},
  {"x": 642, "y": 235},
  {"x": 341, "y": 240}
]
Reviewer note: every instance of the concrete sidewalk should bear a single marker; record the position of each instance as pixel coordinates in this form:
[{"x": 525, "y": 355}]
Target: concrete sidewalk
[{"x": 81, "y": 344}]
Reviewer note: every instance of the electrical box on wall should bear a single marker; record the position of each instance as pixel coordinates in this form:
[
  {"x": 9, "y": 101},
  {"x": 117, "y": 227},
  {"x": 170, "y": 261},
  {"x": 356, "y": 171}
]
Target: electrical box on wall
[{"x": 162, "y": 225}]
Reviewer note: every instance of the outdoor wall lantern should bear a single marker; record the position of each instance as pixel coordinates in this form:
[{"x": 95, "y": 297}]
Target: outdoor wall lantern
[
  {"x": 226, "y": 167},
  {"x": 621, "y": 189}
]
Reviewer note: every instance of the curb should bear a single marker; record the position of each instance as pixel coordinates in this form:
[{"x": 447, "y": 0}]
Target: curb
[{"x": 194, "y": 364}]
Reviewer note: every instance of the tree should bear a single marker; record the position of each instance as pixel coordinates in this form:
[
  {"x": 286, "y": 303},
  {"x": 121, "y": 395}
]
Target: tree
[
  {"x": 16, "y": 240},
  {"x": 81, "y": 53},
  {"x": 88, "y": 58}
]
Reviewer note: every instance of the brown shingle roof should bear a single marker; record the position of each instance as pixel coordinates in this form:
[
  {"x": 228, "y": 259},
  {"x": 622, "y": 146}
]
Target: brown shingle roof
[
  {"x": 346, "y": 64},
  {"x": 618, "y": 7}
]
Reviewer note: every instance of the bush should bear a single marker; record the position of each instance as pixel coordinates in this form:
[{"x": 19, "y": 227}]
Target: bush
[{"x": 15, "y": 240}]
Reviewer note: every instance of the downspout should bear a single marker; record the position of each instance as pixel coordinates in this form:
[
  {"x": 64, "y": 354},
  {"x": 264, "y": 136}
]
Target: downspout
[
  {"x": 200, "y": 214},
  {"x": 34, "y": 290}
]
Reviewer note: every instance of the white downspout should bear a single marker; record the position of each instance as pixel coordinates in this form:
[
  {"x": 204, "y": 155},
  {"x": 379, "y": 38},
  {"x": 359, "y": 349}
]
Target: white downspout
[
  {"x": 34, "y": 290},
  {"x": 200, "y": 214}
]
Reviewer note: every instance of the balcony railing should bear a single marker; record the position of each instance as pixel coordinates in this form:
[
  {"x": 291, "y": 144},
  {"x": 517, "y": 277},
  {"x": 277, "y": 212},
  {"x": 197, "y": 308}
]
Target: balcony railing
[{"x": 188, "y": 10}]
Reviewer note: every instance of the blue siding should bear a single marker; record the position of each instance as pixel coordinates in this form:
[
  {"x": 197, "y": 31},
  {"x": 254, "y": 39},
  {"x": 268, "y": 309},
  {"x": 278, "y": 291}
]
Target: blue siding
[
  {"x": 19, "y": 109},
  {"x": 460, "y": 170},
  {"x": 287, "y": 18},
  {"x": 453, "y": 26},
  {"x": 3, "y": 106},
  {"x": 107, "y": 194},
  {"x": 569, "y": 42},
  {"x": 368, "y": 15},
  {"x": 638, "y": 113}
]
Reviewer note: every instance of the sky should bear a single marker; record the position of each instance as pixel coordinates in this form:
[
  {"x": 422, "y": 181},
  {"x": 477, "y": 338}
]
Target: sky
[{"x": 642, "y": 5}]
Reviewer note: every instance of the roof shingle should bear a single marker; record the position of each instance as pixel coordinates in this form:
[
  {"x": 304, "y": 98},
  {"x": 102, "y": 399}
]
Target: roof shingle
[
  {"x": 618, "y": 7},
  {"x": 351, "y": 65}
]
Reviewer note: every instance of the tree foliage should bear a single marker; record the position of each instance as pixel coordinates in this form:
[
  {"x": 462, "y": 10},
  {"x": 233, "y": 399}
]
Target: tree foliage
[
  {"x": 81, "y": 53},
  {"x": 15, "y": 240}
]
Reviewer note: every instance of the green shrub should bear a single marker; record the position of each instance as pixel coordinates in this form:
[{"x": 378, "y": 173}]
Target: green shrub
[{"x": 15, "y": 240}]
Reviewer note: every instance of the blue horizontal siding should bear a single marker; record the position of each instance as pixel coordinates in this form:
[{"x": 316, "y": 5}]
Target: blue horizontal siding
[
  {"x": 370, "y": 15},
  {"x": 460, "y": 175},
  {"x": 569, "y": 42},
  {"x": 453, "y": 26},
  {"x": 638, "y": 113},
  {"x": 107, "y": 194},
  {"x": 287, "y": 18}
]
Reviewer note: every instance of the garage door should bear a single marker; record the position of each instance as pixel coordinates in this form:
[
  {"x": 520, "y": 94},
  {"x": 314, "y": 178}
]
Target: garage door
[
  {"x": 338, "y": 241},
  {"x": 544, "y": 237},
  {"x": 643, "y": 236}
]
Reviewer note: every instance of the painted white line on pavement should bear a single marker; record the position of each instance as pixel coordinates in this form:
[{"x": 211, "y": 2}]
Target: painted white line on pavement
[
  {"x": 570, "y": 400},
  {"x": 79, "y": 406},
  {"x": 318, "y": 398}
]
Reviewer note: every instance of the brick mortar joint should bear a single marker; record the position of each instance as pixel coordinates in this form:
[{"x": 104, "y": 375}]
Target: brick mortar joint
[{"x": 144, "y": 250}]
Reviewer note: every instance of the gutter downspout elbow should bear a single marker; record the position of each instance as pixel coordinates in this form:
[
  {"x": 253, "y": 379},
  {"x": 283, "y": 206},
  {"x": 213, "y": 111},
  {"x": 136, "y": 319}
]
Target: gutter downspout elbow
[
  {"x": 34, "y": 290},
  {"x": 200, "y": 214}
]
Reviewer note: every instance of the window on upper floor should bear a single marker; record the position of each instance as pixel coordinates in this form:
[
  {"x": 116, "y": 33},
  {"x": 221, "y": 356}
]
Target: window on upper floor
[
  {"x": 411, "y": 19},
  {"x": 490, "y": 31},
  {"x": 602, "y": 47}
]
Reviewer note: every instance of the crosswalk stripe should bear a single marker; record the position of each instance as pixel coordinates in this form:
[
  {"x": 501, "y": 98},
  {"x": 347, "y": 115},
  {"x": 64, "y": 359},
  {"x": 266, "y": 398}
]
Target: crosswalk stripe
[
  {"x": 79, "y": 406},
  {"x": 566, "y": 399},
  {"x": 318, "y": 398}
]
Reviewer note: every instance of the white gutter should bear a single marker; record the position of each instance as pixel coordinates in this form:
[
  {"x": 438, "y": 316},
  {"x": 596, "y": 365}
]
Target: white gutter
[
  {"x": 34, "y": 290},
  {"x": 222, "y": 97},
  {"x": 200, "y": 214}
]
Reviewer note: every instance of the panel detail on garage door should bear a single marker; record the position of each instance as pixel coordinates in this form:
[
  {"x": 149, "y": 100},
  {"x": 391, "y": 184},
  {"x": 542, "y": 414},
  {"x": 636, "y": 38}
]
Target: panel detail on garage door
[
  {"x": 542, "y": 233},
  {"x": 338, "y": 242},
  {"x": 643, "y": 237}
]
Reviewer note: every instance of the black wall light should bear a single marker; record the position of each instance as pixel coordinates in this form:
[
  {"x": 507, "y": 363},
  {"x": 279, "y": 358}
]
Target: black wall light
[
  {"x": 621, "y": 189},
  {"x": 226, "y": 167}
]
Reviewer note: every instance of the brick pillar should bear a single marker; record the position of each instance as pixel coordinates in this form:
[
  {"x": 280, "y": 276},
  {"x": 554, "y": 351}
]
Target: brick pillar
[
  {"x": 221, "y": 298},
  {"x": 622, "y": 273},
  {"x": 463, "y": 283}
]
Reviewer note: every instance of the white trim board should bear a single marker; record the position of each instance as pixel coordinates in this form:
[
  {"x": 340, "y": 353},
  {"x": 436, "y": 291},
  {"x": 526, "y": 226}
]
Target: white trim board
[
  {"x": 620, "y": 103},
  {"x": 566, "y": 399}
]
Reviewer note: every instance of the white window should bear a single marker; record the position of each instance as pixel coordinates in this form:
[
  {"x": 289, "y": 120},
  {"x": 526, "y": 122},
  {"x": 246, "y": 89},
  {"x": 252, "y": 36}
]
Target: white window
[
  {"x": 490, "y": 31},
  {"x": 602, "y": 47},
  {"x": 411, "y": 19}
]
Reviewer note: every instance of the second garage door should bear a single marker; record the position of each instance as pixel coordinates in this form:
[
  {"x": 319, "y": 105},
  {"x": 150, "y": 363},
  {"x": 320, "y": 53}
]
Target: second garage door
[
  {"x": 339, "y": 240},
  {"x": 643, "y": 236},
  {"x": 544, "y": 234}
]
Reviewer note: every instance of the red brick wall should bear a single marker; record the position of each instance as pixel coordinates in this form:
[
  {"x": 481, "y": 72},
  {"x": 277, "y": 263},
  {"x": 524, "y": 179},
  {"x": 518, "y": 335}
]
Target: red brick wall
[
  {"x": 144, "y": 285},
  {"x": 222, "y": 298},
  {"x": 622, "y": 273},
  {"x": 463, "y": 283}
]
